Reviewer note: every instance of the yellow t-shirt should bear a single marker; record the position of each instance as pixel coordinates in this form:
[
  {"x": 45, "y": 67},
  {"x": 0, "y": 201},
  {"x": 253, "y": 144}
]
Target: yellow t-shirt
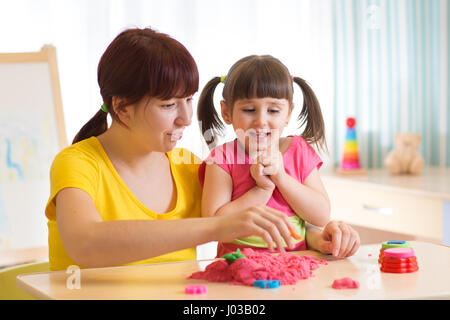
[{"x": 86, "y": 166}]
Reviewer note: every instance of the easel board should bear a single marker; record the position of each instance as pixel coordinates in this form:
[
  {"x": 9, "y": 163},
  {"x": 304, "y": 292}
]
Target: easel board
[{"x": 32, "y": 132}]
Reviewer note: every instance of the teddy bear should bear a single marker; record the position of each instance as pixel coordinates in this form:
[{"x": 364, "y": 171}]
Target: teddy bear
[{"x": 404, "y": 157}]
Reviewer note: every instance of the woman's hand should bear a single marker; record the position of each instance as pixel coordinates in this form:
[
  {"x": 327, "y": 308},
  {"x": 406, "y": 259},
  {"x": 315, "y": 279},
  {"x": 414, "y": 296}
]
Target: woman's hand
[
  {"x": 337, "y": 238},
  {"x": 262, "y": 221}
]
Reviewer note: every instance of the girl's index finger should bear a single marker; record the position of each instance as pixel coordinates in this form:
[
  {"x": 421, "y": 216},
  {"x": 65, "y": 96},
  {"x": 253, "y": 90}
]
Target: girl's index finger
[{"x": 336, "y": 241}]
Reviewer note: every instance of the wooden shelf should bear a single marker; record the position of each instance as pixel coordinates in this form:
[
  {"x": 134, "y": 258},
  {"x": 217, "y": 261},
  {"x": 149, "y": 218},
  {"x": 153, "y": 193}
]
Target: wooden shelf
[{"x": 416, "y": 206}]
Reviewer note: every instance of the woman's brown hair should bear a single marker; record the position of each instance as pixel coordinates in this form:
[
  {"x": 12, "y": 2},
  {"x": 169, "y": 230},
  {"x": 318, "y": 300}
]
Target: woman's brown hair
[
  {"x": 259, "y": 77},
  {"x": 141, "y": 63}
]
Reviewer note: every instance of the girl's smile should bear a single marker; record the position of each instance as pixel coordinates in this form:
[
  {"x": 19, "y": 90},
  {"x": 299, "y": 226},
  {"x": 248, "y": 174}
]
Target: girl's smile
[{"x": 258, "y": 122}]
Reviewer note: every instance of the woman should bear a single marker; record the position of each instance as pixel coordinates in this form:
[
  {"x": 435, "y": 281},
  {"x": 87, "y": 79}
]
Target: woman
[{"x": 124, "y": 195}]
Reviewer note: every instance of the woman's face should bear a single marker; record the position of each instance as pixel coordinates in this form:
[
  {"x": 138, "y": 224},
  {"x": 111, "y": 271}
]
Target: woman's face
[{"x": 159, "y": 124}]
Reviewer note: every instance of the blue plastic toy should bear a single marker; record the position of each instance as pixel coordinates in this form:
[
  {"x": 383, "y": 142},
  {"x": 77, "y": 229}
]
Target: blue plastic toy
[
  {"x": 396, "y": 242},
  {"x": 267, "y": 284}
]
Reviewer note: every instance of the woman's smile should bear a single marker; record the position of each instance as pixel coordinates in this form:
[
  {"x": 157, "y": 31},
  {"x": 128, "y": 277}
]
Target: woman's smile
[{"x": 175, "y": 135}]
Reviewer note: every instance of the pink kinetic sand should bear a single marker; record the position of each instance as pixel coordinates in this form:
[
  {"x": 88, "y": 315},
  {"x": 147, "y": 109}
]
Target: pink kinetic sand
[
  {"x": 195, "y": 289},
  {"x": 286, "y": 267},
  {"x": 345, "y": 283}
]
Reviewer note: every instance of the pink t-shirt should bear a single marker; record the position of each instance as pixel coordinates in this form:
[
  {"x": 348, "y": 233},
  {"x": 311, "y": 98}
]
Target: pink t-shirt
[{"x": 299, "y": 161}]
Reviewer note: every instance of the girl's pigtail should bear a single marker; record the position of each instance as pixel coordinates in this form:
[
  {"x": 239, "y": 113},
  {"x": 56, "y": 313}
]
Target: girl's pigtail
[
  {"x": 311, "y": 114},
  {"x": 209, "y": 121},
  {"x": 94, "y": 127}
]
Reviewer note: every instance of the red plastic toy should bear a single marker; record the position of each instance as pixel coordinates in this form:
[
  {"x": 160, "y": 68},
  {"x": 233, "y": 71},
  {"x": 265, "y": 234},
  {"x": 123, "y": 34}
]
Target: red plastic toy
[
  {"x": 392, "y": 244},
  {"x": 399, "y": 260}
]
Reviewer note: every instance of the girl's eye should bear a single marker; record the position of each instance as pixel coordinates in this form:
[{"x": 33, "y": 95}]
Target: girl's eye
[
  {"x": 248, "y": 110},
  {"x": 168, "y": 106},
  {"x": 274, "y": 110}
]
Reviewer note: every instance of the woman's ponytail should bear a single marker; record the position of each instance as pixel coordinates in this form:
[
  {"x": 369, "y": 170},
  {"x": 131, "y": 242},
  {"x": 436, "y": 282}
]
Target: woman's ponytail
[
  {"x": 209, "y": 120},
  {"x": 94, "y": 127},
  {"x": 311, "y": 115}
]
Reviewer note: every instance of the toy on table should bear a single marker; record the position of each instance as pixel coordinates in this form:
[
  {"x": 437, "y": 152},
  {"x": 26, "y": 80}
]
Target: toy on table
[
  {"x": 392, "y": 244},
  {"x": 195, "y": 289},
  {"x": 267, "y": 284},
  {"x": 295, "y": 235},
  {"x": 233, "y": 256},
  {"x": 350, "y": 160},
  {"x": 399, "y": 260},
  {"x": 345, "y": 283}
]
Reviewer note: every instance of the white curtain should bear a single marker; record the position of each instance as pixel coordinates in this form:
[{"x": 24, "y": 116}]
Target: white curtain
[
  {"x": 392, "y": 72},
  {"x": 217, "y": 33}
]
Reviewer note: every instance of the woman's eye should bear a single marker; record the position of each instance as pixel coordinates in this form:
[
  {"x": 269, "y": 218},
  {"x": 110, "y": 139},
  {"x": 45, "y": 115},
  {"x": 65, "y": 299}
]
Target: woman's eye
[
  {"x": 274, "y": 110},
  {"x": 167, "y": 106},
  {"x": 248, "y": 110}
]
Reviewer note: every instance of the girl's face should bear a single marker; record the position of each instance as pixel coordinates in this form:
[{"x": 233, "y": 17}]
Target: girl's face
[
  {"x": 159, "y": 124},
  {"x": 258, "y": 122}
]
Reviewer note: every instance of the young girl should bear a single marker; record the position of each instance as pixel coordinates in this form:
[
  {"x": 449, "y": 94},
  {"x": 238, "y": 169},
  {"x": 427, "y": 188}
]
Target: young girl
[{"x": 260, "y": 166}]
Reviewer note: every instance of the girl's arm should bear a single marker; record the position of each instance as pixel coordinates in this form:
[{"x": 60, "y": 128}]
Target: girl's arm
[
  {"x": 217, "y": 191},
  {"x": 308, "y": 200}
]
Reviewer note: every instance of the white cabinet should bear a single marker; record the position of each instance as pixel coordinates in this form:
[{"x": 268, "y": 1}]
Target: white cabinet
[{"x": 412, "y": 205}]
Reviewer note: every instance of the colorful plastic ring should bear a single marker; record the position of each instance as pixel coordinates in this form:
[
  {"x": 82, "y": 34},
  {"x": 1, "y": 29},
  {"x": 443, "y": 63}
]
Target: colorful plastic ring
[{"x": 398, "y": 253}]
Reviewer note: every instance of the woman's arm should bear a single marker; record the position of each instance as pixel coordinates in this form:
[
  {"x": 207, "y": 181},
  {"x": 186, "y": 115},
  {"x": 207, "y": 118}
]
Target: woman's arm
[
  {"x": 91, "y": 242},
  {"x": 217, "y": 191}
]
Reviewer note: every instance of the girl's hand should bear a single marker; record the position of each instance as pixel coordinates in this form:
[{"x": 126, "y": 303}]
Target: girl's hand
[
  {"x": 263, "y": 181},
  {"x": 273, "y": 165},
  {"x": 339, "y": 239},
  {"x": 265, "y": 222}
]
